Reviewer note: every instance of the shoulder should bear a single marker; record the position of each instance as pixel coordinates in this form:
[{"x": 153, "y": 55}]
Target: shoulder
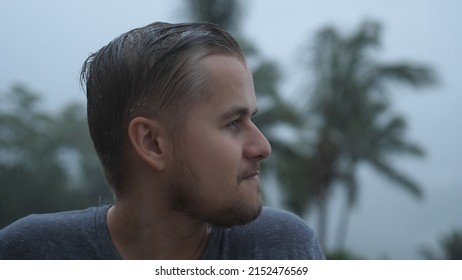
[
  {"x": 282, "y": 225},
  {"x": 38, "y": 236},
  {"x": 51, "y": 222},
  {"x": 278, "y": 234},
  {"x": 282, "y": 221}
]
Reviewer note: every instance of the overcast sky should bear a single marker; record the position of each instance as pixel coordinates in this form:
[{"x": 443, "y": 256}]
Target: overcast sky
[{"x": 44, "y": 43}]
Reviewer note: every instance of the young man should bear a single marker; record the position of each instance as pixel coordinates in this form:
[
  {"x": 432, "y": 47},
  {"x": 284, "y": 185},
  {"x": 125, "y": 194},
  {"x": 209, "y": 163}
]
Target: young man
[{"x": 170, "y": 111}]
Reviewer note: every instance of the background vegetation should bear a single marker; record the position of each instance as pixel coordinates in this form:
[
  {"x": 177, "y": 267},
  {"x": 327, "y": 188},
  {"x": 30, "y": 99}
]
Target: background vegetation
[{"x": 47, "y": 162}]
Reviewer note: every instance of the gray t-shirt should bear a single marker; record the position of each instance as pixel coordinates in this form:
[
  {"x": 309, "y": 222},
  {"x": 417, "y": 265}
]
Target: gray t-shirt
[{"x": 83, "y": 234}]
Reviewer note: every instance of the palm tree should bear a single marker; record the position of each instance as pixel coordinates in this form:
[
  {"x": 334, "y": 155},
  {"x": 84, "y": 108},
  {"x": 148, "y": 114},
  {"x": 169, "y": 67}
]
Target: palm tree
[
  {"x": 450, "y": 246},
  {"x": 225, "y": 13},
  {"x": 350, "y": 112}
]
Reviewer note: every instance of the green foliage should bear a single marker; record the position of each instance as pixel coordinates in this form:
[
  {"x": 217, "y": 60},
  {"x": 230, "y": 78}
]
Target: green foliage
[
  {"x": 225, "y": 13},
  {"x": 342, "y": 255},
  {"x": 47, "y": 162},
  {"x": 450, "y": 245}
]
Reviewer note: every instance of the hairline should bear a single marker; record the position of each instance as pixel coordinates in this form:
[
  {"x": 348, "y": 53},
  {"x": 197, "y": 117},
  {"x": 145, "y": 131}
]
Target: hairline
[{"x": 200, "y": 92}]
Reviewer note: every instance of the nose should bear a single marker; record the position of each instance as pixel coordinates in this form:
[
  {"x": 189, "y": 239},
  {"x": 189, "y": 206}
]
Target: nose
[{"x": 257, "y": 147}]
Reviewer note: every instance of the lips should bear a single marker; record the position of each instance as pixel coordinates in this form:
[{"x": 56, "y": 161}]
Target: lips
[{"x": 249, "y": 174}]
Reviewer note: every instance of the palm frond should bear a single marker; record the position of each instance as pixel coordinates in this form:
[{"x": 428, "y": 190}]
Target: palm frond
[{"x": 402, "y": 180}]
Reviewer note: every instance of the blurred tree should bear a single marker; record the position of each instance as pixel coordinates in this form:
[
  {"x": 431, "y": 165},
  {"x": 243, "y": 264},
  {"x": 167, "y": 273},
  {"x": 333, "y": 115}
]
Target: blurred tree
[
  {"x": 351, "y": 115},
  {"x": 71, "y": 131},
  {"x": 274, "y": 111},
  {"x": 225, "y": 13},
  {"x": 450, "y": 245},
  {"x": 342, "y": 255},
  {"x": 46, "y": 161}
]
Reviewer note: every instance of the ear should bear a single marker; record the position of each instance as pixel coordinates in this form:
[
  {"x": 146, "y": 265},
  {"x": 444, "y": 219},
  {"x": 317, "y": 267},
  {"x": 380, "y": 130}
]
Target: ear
[{"x": 149, "y": 140}]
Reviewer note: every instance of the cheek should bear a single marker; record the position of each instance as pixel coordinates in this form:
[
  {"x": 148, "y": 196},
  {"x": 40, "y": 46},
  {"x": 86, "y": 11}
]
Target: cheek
[{"x": 215, "y": 157}]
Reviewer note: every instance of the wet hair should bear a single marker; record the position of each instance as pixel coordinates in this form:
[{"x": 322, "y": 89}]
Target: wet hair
[{"x": 148, "y": 71}]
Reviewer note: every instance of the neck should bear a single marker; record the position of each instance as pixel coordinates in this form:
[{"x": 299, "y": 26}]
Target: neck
[{"x": 139, "y": 231}]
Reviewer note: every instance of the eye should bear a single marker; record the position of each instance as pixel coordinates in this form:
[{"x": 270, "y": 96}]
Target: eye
[{"x": 235, "y": 124}]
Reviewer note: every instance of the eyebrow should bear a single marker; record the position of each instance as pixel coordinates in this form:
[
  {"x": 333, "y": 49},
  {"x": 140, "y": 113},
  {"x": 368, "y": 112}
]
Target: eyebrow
[{"x": 237, "y": 111}]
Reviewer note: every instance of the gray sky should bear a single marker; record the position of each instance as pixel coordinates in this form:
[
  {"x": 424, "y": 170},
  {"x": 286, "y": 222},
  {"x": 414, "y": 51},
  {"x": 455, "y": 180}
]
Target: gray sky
[{"x": 44, "y": 43}]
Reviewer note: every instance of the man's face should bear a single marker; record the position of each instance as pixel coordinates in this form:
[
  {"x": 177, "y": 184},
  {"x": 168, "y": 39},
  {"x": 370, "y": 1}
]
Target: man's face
[{"x": 215, "y": 174}]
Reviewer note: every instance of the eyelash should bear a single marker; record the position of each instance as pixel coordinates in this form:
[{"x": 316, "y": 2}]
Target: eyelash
[{"x": 235, "y": 124}]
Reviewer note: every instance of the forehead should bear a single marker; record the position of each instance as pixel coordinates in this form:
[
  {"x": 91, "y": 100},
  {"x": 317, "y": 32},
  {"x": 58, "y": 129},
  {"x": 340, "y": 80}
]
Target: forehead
[{"x": 227, "y": 82}]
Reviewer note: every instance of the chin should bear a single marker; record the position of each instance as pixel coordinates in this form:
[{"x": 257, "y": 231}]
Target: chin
[{"x": 238, "y": 214}]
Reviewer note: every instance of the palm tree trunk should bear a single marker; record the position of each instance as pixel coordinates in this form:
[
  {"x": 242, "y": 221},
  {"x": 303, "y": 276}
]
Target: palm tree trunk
[
  {"x": 322, "y": 219},
  {"x": 343, "y": 226}
]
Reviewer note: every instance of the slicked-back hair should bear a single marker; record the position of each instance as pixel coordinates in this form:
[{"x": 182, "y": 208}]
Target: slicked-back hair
[{"x": 148, "y": 71}]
